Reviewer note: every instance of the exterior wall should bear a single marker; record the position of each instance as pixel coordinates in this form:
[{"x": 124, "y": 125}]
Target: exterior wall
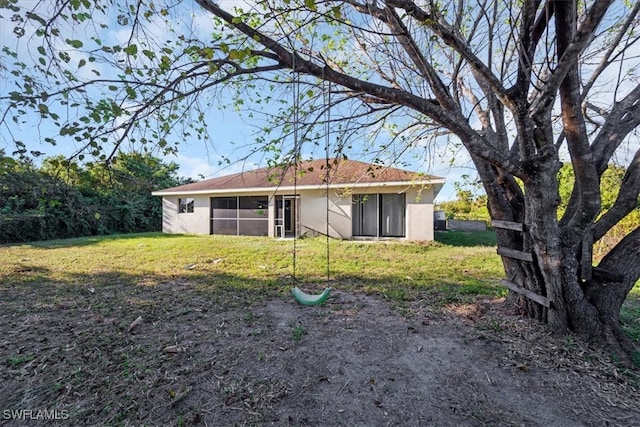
[
  {"x": 420, "y": 214},
  {"x": 419, "y": 210},
  {"x": 272, "y": 216},
  {"x": 312, "y": 205},
  {"x": 313, "y": 214},
  {"x": 169, "y": 214},
  {"x": 340, "y": 215},
  {"x": 197, "y": 222}
]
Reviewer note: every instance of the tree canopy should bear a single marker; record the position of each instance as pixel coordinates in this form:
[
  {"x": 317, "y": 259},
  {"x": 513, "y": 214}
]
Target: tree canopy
[
  {"x": 63, "y": 199},
  {"x": 520, "y": 85}
]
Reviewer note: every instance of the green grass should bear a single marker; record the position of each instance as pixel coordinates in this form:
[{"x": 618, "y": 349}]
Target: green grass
[
  {"x": 298, "y": 332},
  {"x": 72, "y": 303},
  {"x": 467, "y": 238},
  {"x": 15, "y": 361},
  {"x": 457, "y": 267},
  {"x": 630, "y": 318},
  {"x": 257, "y": 265}
]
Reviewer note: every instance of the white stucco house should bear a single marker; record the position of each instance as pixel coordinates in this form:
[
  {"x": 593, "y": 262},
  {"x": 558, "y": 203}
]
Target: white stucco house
[{"x": 364, "y": 201}]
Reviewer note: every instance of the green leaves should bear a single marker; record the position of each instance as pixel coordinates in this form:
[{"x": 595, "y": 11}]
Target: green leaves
[
  {"x": 165, "y": 62},
  {"x": 207, "y": 53},
  {"x": 77, "y": 44},
  {"x": 131, "y": 93},
  {"x": 69, "y": 130},
  {"x": 76, "y": 4},
  {"x": 240, "y": 54},
  {"x": 85, "y": 196},
  {"x": 149, "y": 54},
  {"x": 336, "y": 12},
  {"x": 132, "y": 49},
  {"x": 35, "y": 17}
]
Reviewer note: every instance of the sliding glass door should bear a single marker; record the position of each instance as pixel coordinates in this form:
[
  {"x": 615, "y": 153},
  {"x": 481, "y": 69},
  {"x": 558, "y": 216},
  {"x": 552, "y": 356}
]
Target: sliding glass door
[
  {"x": 392, "y": 208},
  {"x": 378, "y": 215},
  {"x": 365, "y": 215}
]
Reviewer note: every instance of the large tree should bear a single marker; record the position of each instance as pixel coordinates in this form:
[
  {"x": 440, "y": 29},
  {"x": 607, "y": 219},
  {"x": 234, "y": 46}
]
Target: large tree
[{"x": 521, "y": 85}]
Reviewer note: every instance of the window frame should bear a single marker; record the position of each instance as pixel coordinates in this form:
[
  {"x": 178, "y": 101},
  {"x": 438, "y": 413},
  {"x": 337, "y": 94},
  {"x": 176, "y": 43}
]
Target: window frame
[
  {"x": 239, "y": 215},
  {"x": 186, "y": 205},
  {"x": 366, "y": 204}
]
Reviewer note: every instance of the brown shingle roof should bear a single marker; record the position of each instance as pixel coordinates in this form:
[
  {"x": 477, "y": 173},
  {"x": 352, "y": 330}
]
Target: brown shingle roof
[{"x": 310, "y": 173}]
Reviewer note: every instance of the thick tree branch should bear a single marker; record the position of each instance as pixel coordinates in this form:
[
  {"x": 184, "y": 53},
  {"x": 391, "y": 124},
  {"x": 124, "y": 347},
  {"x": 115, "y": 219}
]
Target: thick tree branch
[
  {"x": 292, "y": 60},
  {"x": 526, "y": 50},
  {"x": 581, "y": 39},
  {"x": 542, "y": 22},
  {"x": 584, "y": 203},
  {"x": 623, "y": 259},
  {"x": 622, "y": 119},
  {"x": 626, "y": 201}
]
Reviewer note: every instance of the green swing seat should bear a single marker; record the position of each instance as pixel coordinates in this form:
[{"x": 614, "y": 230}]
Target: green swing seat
[{"x": 306, "y": 299}]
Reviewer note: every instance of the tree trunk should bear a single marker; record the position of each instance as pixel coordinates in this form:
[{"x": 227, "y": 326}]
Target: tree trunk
[
  {"x": 607, "y": 293},
  {"x": 590, "y": 309},
  {"x": 506, "y": 202}
]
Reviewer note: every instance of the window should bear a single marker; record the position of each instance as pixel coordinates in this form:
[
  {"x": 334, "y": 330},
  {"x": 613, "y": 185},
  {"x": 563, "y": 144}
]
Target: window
[
  {"x": 185, "y": 205},
  {"x": 224, "y": 215},
  {"x": 378, "y": 215}
]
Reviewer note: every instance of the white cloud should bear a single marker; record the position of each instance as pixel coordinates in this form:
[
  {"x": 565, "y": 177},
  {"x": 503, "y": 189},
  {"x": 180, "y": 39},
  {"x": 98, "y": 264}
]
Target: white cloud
[
  {"x": 195, "y": 167},
  {"x": 199, "y": 167}
]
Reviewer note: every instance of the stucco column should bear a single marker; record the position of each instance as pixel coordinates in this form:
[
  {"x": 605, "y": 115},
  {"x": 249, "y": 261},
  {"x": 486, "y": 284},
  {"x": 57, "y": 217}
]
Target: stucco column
[{"x": 272, "y": 216}]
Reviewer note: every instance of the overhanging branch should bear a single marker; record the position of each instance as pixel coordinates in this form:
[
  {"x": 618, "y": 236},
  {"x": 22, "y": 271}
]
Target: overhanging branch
[
  {"x": 449, "y": 36},
  {"x": 622, "y": 119},
  {"x": 292, "y": 60},
  {"x": 583, "y": 36}
]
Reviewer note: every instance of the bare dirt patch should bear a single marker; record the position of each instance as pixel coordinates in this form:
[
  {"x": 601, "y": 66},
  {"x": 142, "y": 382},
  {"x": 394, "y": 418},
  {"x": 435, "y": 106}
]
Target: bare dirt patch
[{"x": 198, "y": 358}]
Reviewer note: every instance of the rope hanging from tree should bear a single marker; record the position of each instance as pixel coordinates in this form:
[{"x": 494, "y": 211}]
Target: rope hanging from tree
[{"x": 298, "y": 294}]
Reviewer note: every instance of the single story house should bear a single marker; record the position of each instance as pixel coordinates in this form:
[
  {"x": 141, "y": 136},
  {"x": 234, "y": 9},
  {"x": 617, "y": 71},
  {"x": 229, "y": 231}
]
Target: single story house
[{"x": 355, "y": 199}]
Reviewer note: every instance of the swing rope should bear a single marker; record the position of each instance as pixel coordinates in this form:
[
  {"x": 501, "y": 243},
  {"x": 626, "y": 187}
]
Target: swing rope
[
  {"x": 300, "y": 296},
  {"x": 326, "y": 99},
  {"x": 296, "y": 158}
]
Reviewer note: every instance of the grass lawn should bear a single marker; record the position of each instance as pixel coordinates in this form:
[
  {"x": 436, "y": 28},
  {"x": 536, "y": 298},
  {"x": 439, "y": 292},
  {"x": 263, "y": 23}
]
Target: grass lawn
[
  {"x": 258, "y": 266},
  {"x": 458, "y": 267},
  {"x": 467, "y": 238}
]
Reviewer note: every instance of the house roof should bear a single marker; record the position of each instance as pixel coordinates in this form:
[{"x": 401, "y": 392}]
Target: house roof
[{"x": 310, "y": 174}]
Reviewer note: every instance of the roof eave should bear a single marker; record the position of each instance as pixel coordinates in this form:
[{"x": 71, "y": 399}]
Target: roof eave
[{"x": 284, "y": 189}]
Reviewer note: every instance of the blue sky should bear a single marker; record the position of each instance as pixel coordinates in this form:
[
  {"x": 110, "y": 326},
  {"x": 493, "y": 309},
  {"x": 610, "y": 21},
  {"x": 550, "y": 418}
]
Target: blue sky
[{"x": 232, "y": 134}]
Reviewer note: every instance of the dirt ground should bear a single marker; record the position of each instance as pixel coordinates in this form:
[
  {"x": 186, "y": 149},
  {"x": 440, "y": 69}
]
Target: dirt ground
[{"x": 358, "y": 360}]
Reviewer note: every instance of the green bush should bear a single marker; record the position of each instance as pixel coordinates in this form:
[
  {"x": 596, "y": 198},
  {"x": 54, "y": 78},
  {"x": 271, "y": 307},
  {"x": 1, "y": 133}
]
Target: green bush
[{"x": 62, "y": 200}]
